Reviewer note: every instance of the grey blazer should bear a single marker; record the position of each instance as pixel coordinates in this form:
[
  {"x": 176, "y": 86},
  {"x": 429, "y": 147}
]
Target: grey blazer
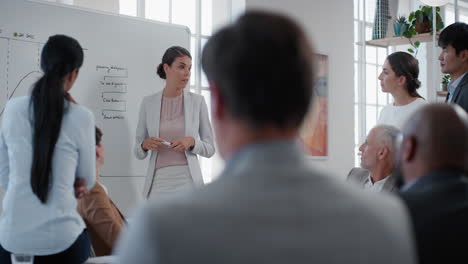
[
  {"x": 197, "y": 125},
  {"x": 361, "y": 176},
  {"x": 460, "y": 97},
  {"x": 269, "y": 206}
]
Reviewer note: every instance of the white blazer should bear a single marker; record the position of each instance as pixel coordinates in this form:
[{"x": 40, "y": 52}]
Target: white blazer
[{"x": 197, "y": 125}]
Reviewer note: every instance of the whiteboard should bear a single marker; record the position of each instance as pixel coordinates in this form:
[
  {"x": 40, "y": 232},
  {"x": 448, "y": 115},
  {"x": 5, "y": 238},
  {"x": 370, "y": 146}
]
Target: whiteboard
[{"x": 121, "y": 56}]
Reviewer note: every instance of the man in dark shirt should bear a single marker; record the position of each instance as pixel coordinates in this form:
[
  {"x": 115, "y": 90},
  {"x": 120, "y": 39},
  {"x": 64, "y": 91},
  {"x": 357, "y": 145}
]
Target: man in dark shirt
[{"x": 433, "y": 157}]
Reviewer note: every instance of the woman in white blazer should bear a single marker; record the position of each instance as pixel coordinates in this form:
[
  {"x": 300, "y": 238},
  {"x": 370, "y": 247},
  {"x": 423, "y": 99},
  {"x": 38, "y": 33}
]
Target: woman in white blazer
[{"x": 174, "y": 126}]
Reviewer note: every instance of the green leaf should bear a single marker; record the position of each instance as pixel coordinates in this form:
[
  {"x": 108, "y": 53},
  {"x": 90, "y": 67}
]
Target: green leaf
[
  {"x": 440, "y": 25},
  {"x": 409, "y": 32},
  {"x": 411, "y": 50},
  {"x": 417, "y": 43}
]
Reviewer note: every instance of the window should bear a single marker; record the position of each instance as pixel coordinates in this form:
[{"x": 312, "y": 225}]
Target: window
[
  {"x": 128, "y": 7},
  {"x": 462, "y": 12},
  {"x": 368, "y": 61},
  {"x": 203, "y": 17},
  {"x": 157, "y": 10}
]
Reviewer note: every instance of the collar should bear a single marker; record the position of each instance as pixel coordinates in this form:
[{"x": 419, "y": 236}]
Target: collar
[
  {"x": 454, "y": 84},
  {"x": 264, "y": 152},
  {"x": 382, "y": 181},
  {"x": 433, "y": 178}
]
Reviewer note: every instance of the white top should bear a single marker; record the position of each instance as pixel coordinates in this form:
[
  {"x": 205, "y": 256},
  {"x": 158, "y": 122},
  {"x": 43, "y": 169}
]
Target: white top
[
  {"x": 28, "y": 226},
  {"x": 101, "y": 260},
  {"x": 397, "y": 115},
  {"x": 376, "y": 186}
]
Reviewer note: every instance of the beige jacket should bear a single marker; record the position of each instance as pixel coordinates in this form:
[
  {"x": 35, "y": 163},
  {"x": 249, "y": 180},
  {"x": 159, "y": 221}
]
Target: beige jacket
[{"x": 103, "y": 219}]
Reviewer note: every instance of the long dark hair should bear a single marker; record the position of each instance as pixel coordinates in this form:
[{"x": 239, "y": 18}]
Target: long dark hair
[
  {"x": 404, "y": 64},
  {"x": 169, "y": 57},
  {"x": 60, "y": 56}
]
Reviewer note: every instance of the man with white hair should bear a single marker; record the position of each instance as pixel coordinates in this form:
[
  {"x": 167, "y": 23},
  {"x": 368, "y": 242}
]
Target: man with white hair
[{"x": 377, "y": 160}]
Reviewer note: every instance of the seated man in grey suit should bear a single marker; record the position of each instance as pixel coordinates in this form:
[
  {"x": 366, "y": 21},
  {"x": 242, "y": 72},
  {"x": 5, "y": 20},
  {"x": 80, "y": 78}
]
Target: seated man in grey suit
[
  {"x": 377, "y": 160},
  {"x": 434, "y": 163},
  {"x": 268, "y": 205}
]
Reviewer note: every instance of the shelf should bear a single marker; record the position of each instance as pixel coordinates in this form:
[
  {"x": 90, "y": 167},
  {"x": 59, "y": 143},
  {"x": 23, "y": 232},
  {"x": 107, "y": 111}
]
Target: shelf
[
  {"x": 442, "y": 93},
  {"x": 395, "y": 41}
]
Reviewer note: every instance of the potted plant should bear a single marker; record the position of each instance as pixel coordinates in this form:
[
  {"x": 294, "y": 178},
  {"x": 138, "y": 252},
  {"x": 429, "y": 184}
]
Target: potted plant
[
  {"x": 445, "y": 82},
  {"x": 420, "y": 21},
  {"x": 400, "y": 26}
]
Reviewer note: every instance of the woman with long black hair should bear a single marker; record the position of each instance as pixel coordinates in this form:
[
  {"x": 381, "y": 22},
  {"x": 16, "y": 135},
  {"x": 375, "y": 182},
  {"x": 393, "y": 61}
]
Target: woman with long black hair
[{"x": 47, "y": 152}]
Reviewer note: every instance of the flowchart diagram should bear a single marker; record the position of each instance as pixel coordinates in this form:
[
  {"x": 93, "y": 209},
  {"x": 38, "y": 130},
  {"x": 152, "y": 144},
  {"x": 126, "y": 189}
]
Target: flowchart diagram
[
  {"x": 20, "y": 69},
  {"x": 113, "y": 89}
]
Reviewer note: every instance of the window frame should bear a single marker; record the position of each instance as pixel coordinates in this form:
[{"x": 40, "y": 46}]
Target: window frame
[{"x": 360, "y": 60}]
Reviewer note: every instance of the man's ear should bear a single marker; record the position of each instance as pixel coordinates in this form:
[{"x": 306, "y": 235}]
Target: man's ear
[
  {"x": 464, "y": 55},
  {"x": 409, "y": 146},
  {"x": 383, "y": 152},
  {"x": 217, "y": 102}
]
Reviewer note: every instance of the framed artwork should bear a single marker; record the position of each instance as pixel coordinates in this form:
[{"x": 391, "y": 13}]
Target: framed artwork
[{"x": 314, "y": 130}]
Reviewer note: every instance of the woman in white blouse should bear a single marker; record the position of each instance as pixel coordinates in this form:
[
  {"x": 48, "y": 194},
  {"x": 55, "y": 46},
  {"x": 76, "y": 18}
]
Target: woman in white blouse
[
  {"x": 174, "y": 126},
  {"x": 399, "y": 77},
  {"x": 47, "y": 152}
]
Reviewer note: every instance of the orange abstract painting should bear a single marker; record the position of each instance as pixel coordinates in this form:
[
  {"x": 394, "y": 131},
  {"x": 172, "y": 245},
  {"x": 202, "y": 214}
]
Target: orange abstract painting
[{"x": 314, "y": 131}]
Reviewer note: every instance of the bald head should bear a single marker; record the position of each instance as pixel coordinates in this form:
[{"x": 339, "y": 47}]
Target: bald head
[{"x": 439, "y": 134}]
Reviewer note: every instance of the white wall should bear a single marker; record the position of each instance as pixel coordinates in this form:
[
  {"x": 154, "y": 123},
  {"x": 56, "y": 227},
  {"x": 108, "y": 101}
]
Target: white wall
[
  {"x": 329, "y": 23},
  {"x": 103, "y": 5}
]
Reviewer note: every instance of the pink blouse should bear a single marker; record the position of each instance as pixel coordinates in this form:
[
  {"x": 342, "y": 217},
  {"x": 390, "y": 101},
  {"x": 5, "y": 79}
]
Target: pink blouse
[{"x": 171, "y": 127}]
